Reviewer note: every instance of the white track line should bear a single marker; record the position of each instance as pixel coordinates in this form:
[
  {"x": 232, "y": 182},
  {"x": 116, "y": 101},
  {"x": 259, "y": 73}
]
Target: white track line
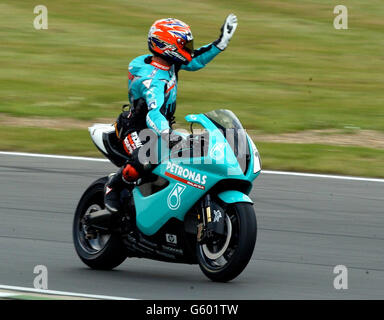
[
  {"x": 52, "y": 156},
  {"x": 298, "y": 174},
  {"x": 328, "y": 176},
  {"x": 63, "y": 293},
  {"x": 7, "y": 295}
]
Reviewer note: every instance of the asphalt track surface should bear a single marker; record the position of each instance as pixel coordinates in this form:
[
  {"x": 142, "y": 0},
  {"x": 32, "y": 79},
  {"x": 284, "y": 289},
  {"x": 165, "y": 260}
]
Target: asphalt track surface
[{"x": 307, "y": 226}]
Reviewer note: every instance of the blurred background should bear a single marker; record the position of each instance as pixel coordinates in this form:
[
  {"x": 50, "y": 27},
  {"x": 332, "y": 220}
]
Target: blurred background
[{"x": 311, "y": 96}]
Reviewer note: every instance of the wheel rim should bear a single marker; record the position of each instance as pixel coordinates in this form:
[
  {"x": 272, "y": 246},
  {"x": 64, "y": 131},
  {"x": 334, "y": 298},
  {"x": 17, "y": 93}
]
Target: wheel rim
[
  {"x": 215, "y": 258},
  {"x": 216, "y": 255},
  {"x": 97, "y": 244}
]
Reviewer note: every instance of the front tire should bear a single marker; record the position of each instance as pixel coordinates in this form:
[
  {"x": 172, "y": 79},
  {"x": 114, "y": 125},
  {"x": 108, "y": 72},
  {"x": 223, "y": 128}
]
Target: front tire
[
  {"x": 225, "y": 261},
  {"x": 106, "y": 251}
]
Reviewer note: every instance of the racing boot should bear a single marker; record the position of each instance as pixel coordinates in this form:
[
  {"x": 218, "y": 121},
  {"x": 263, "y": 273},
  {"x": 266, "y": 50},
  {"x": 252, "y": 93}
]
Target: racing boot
[{"x": 124, "y": 177}]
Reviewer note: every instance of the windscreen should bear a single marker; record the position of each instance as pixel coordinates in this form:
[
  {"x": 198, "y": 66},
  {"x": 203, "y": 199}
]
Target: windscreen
[
  {"x": 233, "y": 131},
  {"x": 224, "y": 119}
]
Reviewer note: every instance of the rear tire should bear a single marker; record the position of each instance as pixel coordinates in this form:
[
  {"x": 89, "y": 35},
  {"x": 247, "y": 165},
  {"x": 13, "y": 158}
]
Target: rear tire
[
  {"x": 228, "y": 261},
  {"x": 106, "y": 251}
]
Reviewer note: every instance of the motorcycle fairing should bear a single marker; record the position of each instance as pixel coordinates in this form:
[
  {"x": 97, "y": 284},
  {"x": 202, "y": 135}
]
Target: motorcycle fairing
[{"x": 175, "y": 200}]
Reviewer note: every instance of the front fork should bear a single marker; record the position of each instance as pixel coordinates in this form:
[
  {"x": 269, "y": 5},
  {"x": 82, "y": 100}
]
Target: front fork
[{"x": 208, "y": 227}]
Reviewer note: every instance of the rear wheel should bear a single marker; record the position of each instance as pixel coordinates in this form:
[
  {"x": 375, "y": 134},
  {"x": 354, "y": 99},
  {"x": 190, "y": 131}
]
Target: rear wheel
[
  {"x": 225, "y": 258},
  {"x": 103, "y": 250}
]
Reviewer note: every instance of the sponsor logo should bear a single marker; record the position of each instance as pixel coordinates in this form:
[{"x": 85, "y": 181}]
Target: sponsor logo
[
  {"x": 185, "y": 175},
  {"x": 177, "y": 55},
  {"x": 147, "y": 83},
  {"x": 174, "y": 197},
  {"x": 132, "y": 142},
  {"x": 217, "y": 152},
  {"x": 217, "y": 214},
  {"x": 171, "y": 238},
  {"x": 127, "y": 146},
  {"x": 160, "y": 66},
  {"x": 136, "y": 140},
  {"x": 108, "y": 190}
]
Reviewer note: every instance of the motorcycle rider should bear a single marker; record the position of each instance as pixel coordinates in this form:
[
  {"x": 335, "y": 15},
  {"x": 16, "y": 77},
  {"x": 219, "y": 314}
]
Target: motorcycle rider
[{"x": 152, "y": 90}]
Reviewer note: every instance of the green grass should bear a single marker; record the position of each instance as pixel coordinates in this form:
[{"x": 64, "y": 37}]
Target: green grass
[
  {"x": 286, "y": 70},
  {"x": 356, "y": 161},
  {"x": 278, "y": 156},
  {"x": 51, "y": 141}
]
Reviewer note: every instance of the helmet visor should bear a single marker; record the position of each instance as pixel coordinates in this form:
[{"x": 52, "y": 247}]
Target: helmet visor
[{"x": 189, "y": 47}]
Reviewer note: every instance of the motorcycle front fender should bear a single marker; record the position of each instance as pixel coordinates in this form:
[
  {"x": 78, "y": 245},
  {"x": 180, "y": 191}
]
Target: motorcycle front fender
[{"x": 233, "y": 196}]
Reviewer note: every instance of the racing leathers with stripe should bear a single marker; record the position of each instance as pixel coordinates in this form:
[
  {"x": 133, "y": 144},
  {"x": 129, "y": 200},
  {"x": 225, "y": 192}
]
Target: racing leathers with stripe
[
  {"x": 154, "y": 86},
  {"x": 152, "y": 92}
]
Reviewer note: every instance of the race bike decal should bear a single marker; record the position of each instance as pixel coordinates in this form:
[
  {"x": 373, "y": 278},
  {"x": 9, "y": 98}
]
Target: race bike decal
[
  {"x": 217, "y": 152},
  {"x": 171, "y": 238},
  {"x": 174, "y": 199},
  {"x": 217, "y": 214},
  {"x": 132, "y": 142},
  {"x": 186, "y": 176}
]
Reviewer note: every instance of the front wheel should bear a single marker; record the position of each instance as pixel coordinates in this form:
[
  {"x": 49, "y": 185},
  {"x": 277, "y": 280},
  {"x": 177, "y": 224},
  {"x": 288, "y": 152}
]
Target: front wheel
[
  {"x": 225, "y": 259},
  {"x": 104, "y": 251}
]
